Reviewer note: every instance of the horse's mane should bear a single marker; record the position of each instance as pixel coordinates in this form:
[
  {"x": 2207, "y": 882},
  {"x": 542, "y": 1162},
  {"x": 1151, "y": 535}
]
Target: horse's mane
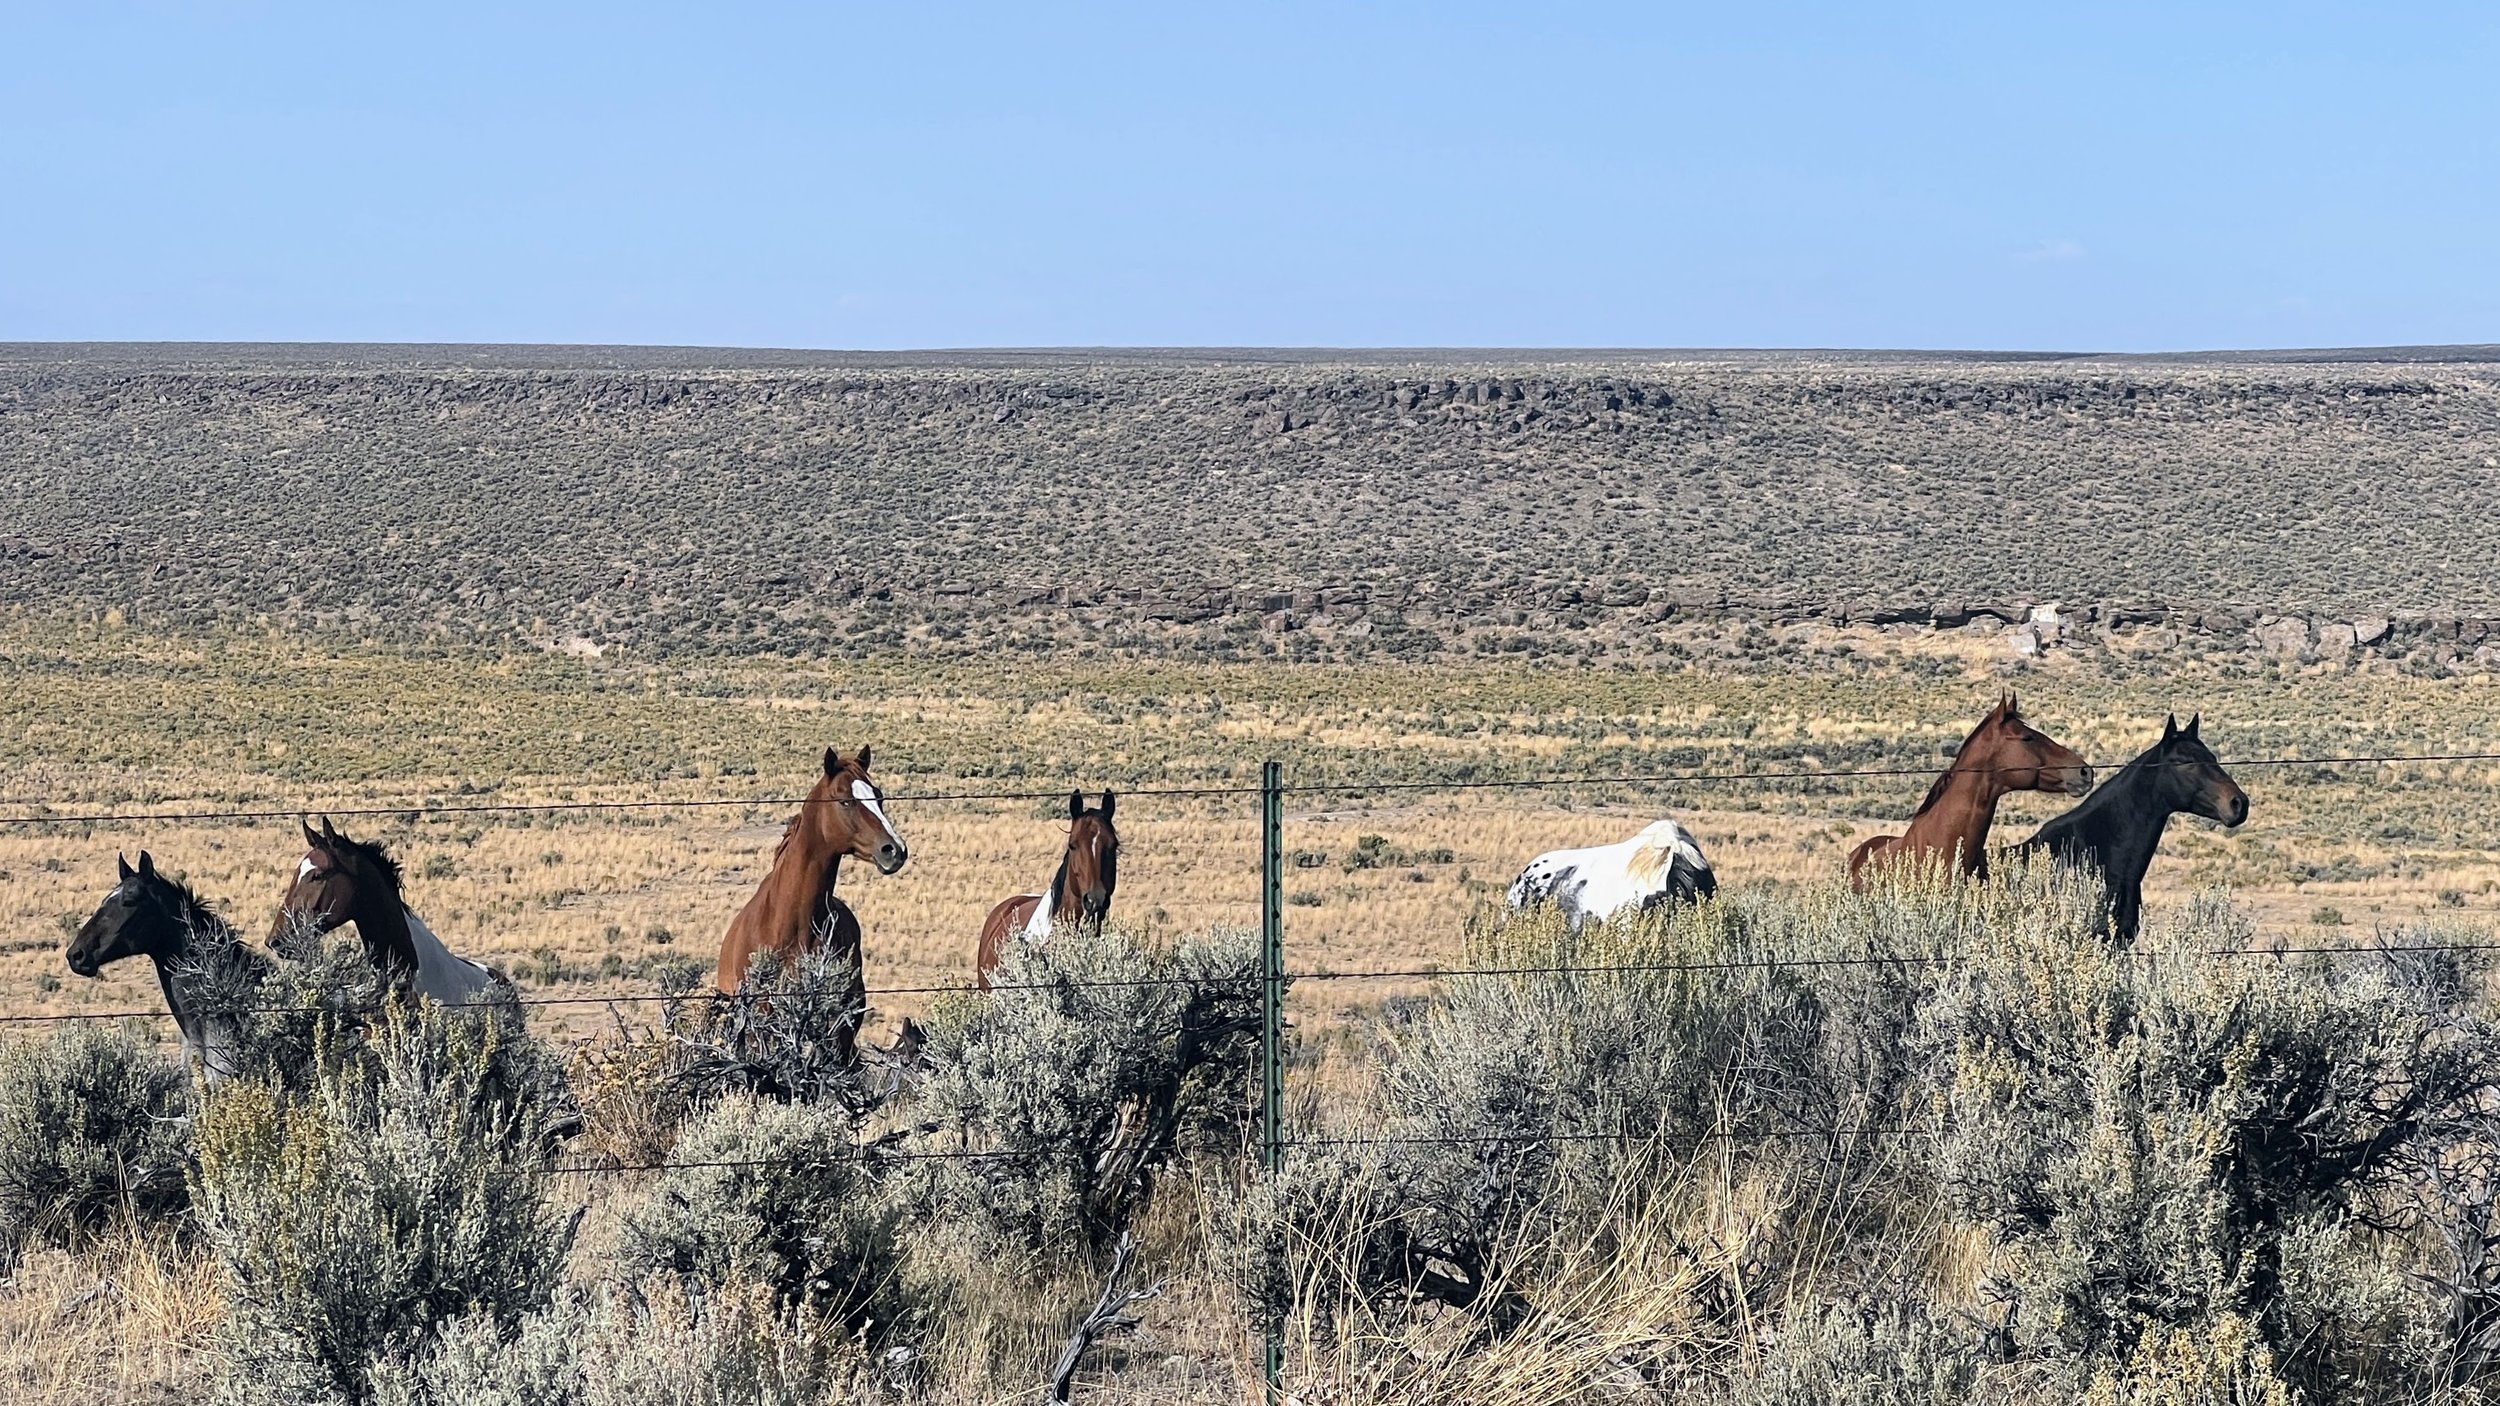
[
  {"x": 1935, "y": 792},
  {"x": 1654, "y": 853},
  {"x": 381, "y": 858},
  {"x": 791, "y": 829},
  {"x": 198, "y": 917},
  {"x": 192, "y": 910}
]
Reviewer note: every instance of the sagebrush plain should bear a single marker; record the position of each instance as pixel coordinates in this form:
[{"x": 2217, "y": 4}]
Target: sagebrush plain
[{"x": 569, "y": 635}]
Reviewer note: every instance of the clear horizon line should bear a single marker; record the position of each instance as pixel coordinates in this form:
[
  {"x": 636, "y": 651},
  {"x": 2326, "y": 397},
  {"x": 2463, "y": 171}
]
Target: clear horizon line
[{"x": 2412, "y": 349}]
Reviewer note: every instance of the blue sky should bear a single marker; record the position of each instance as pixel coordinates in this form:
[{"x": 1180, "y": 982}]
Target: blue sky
[{"x": 2114, "y": 177}]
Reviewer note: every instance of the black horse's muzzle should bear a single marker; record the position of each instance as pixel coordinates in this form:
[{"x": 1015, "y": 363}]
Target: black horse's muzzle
[{"x": 84, "y": 964}]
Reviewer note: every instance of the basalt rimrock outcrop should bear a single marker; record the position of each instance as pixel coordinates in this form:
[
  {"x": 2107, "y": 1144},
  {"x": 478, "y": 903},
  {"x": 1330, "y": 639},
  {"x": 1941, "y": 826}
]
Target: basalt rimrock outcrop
[{"x": 2312, "y": 509}]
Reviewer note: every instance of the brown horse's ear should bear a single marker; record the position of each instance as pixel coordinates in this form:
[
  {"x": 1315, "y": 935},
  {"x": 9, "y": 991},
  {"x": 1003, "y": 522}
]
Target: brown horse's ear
[
  {"x": 329, "y": 832},
  {"x": 833, "y": 764},
  {"x": 861, "y": 761},
  {"x": 311, "y": 836},
  {"x": 1076, "y": 805},
  {"x": 1108, "y": 802},
  {"x": 127, "y": 871},
  {"x": 2013, "y": 706},
  {"x": 147, "y": 865}
]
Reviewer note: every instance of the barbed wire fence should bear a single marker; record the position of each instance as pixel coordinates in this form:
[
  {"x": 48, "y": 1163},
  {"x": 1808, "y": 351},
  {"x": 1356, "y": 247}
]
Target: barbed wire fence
[{"x": 1275, "y": 976}]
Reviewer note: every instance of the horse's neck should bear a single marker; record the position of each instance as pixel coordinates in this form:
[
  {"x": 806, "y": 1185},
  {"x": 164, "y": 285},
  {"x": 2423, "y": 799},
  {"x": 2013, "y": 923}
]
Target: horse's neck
[
  {"x": 441, "y": 974},
  {"x": 171, "y": 977},
  {"x": 1062, "y": 896},
  {"x": 1962, "y": 815},
  {"x": 1055, "y": 901},
  {"x": 808, "y": 866},
  {"x": 384, "y": 926},
  {"x": 178, "y": 975},
  {"x": 2122, "y": 825}
]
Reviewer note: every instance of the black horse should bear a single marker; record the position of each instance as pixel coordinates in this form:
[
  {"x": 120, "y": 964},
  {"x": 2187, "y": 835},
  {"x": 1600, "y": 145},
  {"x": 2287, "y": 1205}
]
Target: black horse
[
  {"x": 196, "y": 954},
  {"x": 2114, "y": 833}
]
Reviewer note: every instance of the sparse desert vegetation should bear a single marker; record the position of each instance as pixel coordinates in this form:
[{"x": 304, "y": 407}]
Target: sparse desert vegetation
[
  {"x": 1248, "y": 504},
  {"x": 1974, "y": 1156}
]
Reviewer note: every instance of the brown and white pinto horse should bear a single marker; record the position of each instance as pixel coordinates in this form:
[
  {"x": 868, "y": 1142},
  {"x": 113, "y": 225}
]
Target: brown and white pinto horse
[
  {"x": 2002, "y": 755},
  {"x": 794, "y": 911},
  {"x": 1079, "y": 893},
  {"x": 342, "y": 881}
]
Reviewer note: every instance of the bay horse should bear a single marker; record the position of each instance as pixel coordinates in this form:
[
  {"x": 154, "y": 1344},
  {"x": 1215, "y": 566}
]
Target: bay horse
[
  {"x": 1660, "y": 865},
  {"x": 794, "y": 910},
  {"x": 195, "y": 952},
  {"x": 342, "y": 881},
  {"x": 2115, "y": 831},
  {"x": 2002, "y": 755},
  {"x": 1079, "y": 893}
]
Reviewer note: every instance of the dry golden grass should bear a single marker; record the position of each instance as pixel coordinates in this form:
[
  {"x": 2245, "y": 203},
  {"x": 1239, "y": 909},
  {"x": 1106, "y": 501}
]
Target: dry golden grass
[
  {"x": 117, "y": 721},
  {"x": 126, "y": 723},
  {"x": 120, "y": 1325}
]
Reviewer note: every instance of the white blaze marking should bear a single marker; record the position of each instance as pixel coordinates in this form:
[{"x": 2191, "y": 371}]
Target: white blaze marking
[
  {"x": 304, "y": 870},
  {"x": 866, "y": 794}
]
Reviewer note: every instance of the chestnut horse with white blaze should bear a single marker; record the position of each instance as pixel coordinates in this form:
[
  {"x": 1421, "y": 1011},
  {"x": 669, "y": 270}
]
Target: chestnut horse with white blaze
[
  {"x": 2002, "y": 755},
  {"x": 794, "y": 911},
  {"x": 1079, "y": 893}
]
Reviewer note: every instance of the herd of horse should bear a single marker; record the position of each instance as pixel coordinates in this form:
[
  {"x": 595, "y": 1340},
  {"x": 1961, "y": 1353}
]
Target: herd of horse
[{"x": 2112, "y": 833}]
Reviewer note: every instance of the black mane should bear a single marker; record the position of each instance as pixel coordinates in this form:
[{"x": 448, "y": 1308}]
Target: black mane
[
  {"x": 381, "y": 858},
  {"x": 188, "y": 908}
]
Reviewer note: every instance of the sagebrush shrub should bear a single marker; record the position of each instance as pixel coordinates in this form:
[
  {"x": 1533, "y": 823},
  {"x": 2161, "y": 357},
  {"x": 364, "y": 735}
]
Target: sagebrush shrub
[
  {"x": 1861, "y": 1354},
  {"x": 2172, "y": 1139},
  {"x": 1075, "y": 1080},
  {"x": 92, "y": 1122},
  {"x": 791, "y": 1031},
  {"x": 1515, "y": 1108},
  {"x": 2187, "y": 1171},
  {"x": 634, "y": 1344},
  {"x": 781, "y": 1195},
  {"x": 404, "y": 1188}
]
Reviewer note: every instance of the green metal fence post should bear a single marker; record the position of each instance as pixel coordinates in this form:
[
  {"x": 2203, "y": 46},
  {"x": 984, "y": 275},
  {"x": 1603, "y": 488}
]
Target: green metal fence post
[{"x": 1272, "y": 1011}]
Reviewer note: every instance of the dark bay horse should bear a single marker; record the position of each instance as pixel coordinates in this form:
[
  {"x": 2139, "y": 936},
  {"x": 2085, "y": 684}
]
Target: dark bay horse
[
  {"x": 2002, "y": 755},
  {"x": 794, "y": 910},
  {"x": 2116, "y": 830},
  {"x": 1079, "y": 893},
  {"x": 194, "y": 950},
  {"x": 342, "y": 881}
]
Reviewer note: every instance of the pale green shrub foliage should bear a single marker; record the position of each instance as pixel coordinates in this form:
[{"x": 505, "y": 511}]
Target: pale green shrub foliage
[
  {"x": 402, "y": 1190},
  {"x": 92, "y": 1122}
]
